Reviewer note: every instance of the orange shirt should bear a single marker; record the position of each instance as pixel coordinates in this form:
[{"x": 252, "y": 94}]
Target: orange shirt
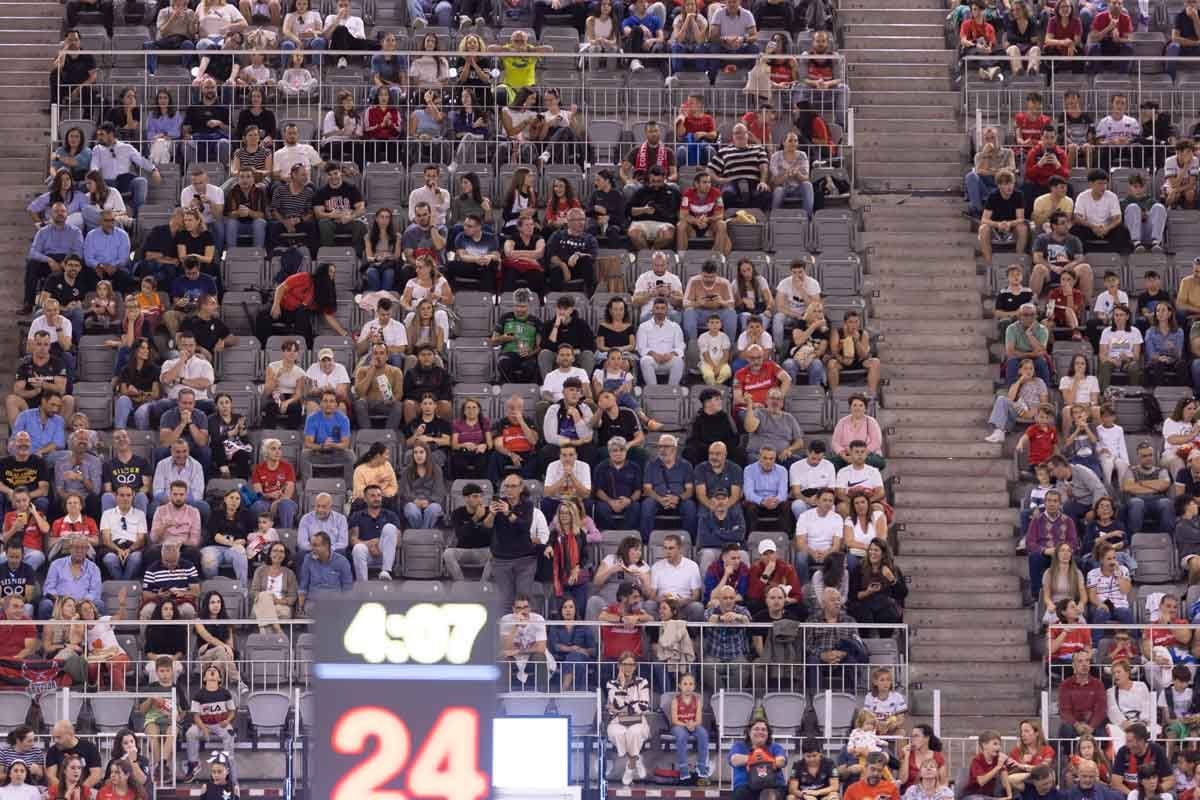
[{"x": 861, "y": 790}]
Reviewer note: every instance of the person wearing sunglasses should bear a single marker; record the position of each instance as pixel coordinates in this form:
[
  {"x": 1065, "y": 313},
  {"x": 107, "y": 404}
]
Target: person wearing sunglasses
[{"x": 123, "y": 532}]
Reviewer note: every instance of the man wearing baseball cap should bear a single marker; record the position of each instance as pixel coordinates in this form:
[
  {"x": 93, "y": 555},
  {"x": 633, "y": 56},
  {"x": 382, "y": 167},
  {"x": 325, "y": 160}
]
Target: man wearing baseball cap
[
  {"x": 327, "y": 373},
  {"x": 770, "y": 571}
]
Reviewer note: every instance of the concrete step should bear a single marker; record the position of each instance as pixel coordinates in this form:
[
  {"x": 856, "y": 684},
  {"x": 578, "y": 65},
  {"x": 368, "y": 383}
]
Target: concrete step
[
  {"x": 946, "y": 327},
  {"x": 904, "y": 356},
  {"x": 938, "y": 371},
  {"x": 897, "y": 108},
  {"x": 903, "y": 51},
  {"x": 945, "y": 297},
  {"x": 887, "y": 242},
  {"x": 888, "y": 28},
  {"x": 941, "y": 601},
  {"x": 898, "y": 71},
  {"x": 923, "y": 283},
  {"x": 897, "y": 342},
  {"x": 955, "y": 564},
  {"x": 899, "y": 16},
  {"x": 1010, "y": 687},
  {"x": 936, "y": 500},
  {"x": 900, "y": 163},
  {"x": 912, "y": 435},
  {"x": 925, "y": 618},
  {"x": 923, "y": 548},
  {"x": 930, "y": 41},
  {"x": 882, "y": 10},
  {"x": 886, "y": 262},
  {"x": 904, "y": 387},
  {"x": 968, "y": 638},
  {"x": 987, "y": 466},
  {"x": 925, "y": 101},
  {"x": 866, "y": 125},
  {"x": 936, "y": 405},
  {"x": 954, "y": 653},
  {"x": 909, "y": 309},
  {"x": 949, "y": 514},
  {"x": 969, "y": 726},
  {"x": 873, "y": 183},
  {"x": 939, "y": 142},
  {"x": 35, "y": 22}
]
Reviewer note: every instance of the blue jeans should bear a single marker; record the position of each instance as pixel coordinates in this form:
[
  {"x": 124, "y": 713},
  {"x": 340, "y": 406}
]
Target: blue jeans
[
  {"x": 135, "y": 185},
  {"x": 978, "y": 189},
  {"x": 650, "y": 509},
  {"x": 379, "y": 278},
  {"x": 213, "y": 557},
  {"x": 285, "y": 512},
  {"x": 422, "y": 517},
  {"x": 440, "y": 9},
  {"x": 802, "y": 191},
  {"x": 695, "y": 320},
  {"x": 682, "y": 735},
  {"x": 816, "y": 371},
  {"x": 692, "y": 152},
  {"x": 123, "y": 572},
  {"x": 235, "y": 227},
  {"x": 1040, "y": 368},
  {"x": 163, "y": 44},
  {"x": 716, "y": 49},
  {"x": 123, "y": 408},
  {"x": 1160, "y": 507},
  {"x": 1100, "y": 614},
  {"x": 688, "y": 64},
  {"x": 1175, "y": 51}
]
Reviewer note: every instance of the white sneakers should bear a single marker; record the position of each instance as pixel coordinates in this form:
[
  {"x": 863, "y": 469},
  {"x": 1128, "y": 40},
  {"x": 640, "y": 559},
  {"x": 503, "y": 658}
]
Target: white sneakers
[
  {"x": 627, "y": 776},
  {"x": 636, "y": 66},
  {"x": 640, "y": 766},
  {"x": 995, "y": 437}
]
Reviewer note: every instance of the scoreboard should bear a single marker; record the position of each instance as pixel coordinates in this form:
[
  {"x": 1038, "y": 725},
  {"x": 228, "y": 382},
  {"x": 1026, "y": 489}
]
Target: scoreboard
[{"x": 405, "y": 692}]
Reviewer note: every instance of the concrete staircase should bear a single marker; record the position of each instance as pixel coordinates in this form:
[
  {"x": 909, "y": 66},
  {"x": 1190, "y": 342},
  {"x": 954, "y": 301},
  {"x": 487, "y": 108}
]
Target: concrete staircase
[
  {"x": 28, "y": 43},
  {"x": 906, "y": 112},
  {"x": 970, "y": 633}
]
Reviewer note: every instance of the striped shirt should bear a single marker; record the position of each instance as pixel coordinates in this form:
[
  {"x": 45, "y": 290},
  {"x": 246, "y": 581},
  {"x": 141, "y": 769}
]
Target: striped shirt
[
  {"x": 9, "y": 754},
  {"x": 160, "y": 577},
  {"x": 256, "y": 161},
  {"x": 733, "y": 163},
  {"x": 287, "y": 204}
]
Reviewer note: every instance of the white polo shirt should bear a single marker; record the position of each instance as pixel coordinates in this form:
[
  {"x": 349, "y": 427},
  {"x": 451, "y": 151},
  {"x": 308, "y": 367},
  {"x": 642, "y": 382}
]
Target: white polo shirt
[
  {"x": 806, "y": 476},
  {"x": 394, "y": 333},
  {"x": 675, "y": 579},
  {"x": 819, "y": 531},
  {"x": 555, "y": 378}
]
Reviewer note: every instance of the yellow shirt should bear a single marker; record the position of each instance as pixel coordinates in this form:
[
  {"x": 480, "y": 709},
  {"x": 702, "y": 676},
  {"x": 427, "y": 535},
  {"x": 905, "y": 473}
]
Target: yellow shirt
[
  {"x": 519, "y": 70},
  {"x": 365, "y": 475},
  {"x": 1043, "y": 208},
  {"x": 1189, "y": 292}
]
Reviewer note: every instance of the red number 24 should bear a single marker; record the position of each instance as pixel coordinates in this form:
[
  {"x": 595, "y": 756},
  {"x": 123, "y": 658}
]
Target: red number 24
[{"x": 446, "y": 767}]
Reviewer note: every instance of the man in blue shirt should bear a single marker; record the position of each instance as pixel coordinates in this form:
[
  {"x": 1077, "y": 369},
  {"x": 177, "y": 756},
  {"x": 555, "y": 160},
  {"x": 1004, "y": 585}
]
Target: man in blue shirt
[
  {"x": 75, "y": 577},
  {"x": 374, "y": 532},
  {"x": 323, "y": 519},
  {"x": 106, "y": 250},
  {"x": 51, "y": 244},
  {"x": 327, "y": 435},
  {"x": 186, "y": 291},
  {"x": 641, "y": 32},
  {"x": 45, "y": 426},
  {"x": 718, "y": 472},
  {"x": 323, "y": 571},
  {"x": 721, "y": 527},
  {"x": 766, "y": 490},
  {"x": 478, "y": 255},
  {"x": 667, "y": 487},
  {"x": 617, "y": 484}
]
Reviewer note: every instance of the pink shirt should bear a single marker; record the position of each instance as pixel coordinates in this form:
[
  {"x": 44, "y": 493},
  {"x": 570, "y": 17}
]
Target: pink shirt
[
  {"x": 180, "y": 525},
  {"x": 847, "y": 430}
]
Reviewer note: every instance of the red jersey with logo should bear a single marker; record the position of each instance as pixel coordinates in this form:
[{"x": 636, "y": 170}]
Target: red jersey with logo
[{"x": 757, "y": 383}]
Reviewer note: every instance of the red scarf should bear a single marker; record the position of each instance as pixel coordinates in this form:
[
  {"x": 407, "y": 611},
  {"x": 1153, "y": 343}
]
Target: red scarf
[
  {"x": 642, "y": 161},
  {"x": 566, "y": 558}
]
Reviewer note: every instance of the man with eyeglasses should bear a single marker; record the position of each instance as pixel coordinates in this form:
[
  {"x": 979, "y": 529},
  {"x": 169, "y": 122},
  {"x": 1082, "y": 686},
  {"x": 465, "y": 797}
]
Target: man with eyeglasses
[
  {"x": 668, "y": 487},
  {"x": 1026, "y": 338},
  {"x": 477, "y": 256},
  {"x": 523, "y": 638},
  {"x": 123, "y": 531}
]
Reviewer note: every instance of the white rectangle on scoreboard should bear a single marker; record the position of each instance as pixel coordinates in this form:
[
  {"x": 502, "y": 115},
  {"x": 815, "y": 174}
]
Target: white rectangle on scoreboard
[{"x": 531, "y": 753}]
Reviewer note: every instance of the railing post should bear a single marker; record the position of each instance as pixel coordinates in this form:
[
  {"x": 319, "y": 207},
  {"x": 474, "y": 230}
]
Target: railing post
[
  {"x": 828, "y": 714},
  {"x": 937, "y": 712},
  {"x": 1045, "y": 710},
  {"x": 64, "y": 711}
]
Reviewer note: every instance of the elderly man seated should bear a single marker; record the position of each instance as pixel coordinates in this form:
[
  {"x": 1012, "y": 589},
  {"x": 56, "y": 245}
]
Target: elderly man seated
[
  {"x": 617, "y": 484},
  {"x": 771, "y": 426},
  {"x": 834, "y": 648},
  {"x": 75, "y": 577},
  {"x": 667, "y": 487},
  {"x": 727, "y": 646}
]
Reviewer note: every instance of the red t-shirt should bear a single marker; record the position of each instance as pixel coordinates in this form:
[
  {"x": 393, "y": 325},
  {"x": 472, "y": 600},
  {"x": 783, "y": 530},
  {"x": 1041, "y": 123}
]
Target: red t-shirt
[
  {"x": 1041, "y": 443},
  {"x": 1043, "y": 756},
  {"x": 1060, "y": 304},
  {"x": 513, "y": 437},
  {"x": 1124, "y": 23},
  {"x": 972, "y": 31},
  {"x": 981, "y": 766},
  {"x": 1162, "y": 637},
  {"x": 754, "y": 123},
  {"x": 619, "y": 638},
  {"x": 300, "y": 292},
  {"x": 914, "y": 769},
  {"x": 12, "y": 639},
  {"x": 758, "y": 383},
  {"x": 1078, "y": 639},
  {"x": 63, "y": 527},
  {"x": 701, "y": 206},
  {"x": 273, "y": 480},
  {"x": 32, "y": 538},
  {"x": 1029, "y": 126},
  {"x": 701, "y": 124}
]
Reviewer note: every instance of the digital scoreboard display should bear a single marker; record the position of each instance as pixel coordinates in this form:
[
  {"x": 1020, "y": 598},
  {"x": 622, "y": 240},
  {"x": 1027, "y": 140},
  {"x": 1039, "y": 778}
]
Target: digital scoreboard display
[{"x": 405, "y": 692}]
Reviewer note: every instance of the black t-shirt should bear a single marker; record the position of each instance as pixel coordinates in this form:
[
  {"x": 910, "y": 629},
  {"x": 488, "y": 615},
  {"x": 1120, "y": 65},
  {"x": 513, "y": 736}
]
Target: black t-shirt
[
  {"x": 343, "y": 198},
  {"x": 160, "y": 240},
  {"x": 519, "y": 243},
  {"x": 1052, "y": 248},
  {"x": 194, "y": 245},
  {"x": 143, "y": 378},
  {"x": 469, "y": 532},
  {"x": 76, "y": 70},
  {"x": 816, "y": 337},
  {"x": 1004, "y": 210},
  {"x": 65, "y": 293},
  {"x": 53, "y": 368},
  {"x": 793, "y": 611},
  {"x": 131, "y": 473},
  {"x": 438, "y": 427},
  {"x": 625, "y": 425},
  {"x": 435, "y": 381},
  {"x": 265, "y": 120},
  {"x": 807, "y": 780},
  {"x": 1183, "y": 23},
  {"x": 1125, "y": 764},
  {"x": 82, "y": 748},
  {"x": 14, "y": 581},
  {"x": 1146, "y": 301},
  {"x": 198, "y": 116},
  {"x": 614, "y": 339},
  {"x": 207, "y": 332},
  {"x": 23, "y": 474},
  {"x": 224, "y": 792},
  {"x": 565, "y": 244},
  {"x": 220, "y": 67},
  {"x": 240, "y": 527},
  {"x": 1007, "y": 301}
]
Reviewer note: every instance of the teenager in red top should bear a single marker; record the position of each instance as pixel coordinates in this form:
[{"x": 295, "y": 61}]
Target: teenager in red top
[
  {"x": 1041, "y": 438},
  {"x": 297, "y": 301},
  {"x": 1066, "y": 642},
  {"x": 987, "y": 767},
  {"x": 977, "y": 37},
  {"x": 1030, "y": 122},
  {"x": 695, "y": 132},
  {"x": 275, "y": 480},
  {"x": 1111, "y": 32},
  {"x": 702, "y": 213},
  {"x": 686, "y": 717}
]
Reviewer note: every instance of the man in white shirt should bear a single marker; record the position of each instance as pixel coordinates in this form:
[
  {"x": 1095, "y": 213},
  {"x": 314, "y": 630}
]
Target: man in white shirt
[
  {"x": 123, "y": 531},
  {"x": 674, "y": 576},
  {"x": 660, "y": 344},
  {"x": 54, "y": 324},
  {"x": 384, "y": 329},
  {"x": 859, "y": 477},
  {"x": 791, "y": 296},
  {"x": 1118, "y": 128},
  {"x": 344, "y": 31},
  {"x": 1109, "y": 584},
  {"x": 1179, "y": 176},
  {"x": 819, "y": 532},
  {"x": 809, "y": 475},
  {"x": 188, "y": 370},
  {"x": 433, "y": 194},
  {"x": 327, "y": 373},
  {"x": 552, "y": 384},
  {"x": 1098, "y": 216},
  {"x": 657, "y": 282},
  {"x": 209, "y": 200},
  {"x": 293, "y": 152},
  {"x": 523, "y": 638},
  {"x": 568, "y": 477}
]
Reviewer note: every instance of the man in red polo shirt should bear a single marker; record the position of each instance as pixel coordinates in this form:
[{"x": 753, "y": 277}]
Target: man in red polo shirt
[
  {"x": 628, "y": 617},
  {"x": 1081, "y": 702},
  {"x": 17, "y": 641},
  {"x": 754, "y": 380}
]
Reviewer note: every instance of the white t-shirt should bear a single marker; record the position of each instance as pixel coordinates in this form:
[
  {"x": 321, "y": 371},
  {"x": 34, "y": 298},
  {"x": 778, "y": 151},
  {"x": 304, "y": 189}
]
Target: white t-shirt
[
  {"x": 1109, "y": 587},
  {"x": 764, "y": 341},
  {"x": 528, "y": 633},
  {"x": 420, "y": 292},
  {"x": 41, "y": 325},
  {"x": 213, "y": 196},
  {"x": 1120, "y": 343},
  {"x": 22, "y": 792},
  {"x": 806, "y": 476},
  {"x": 1113, "y": 440},
  {"x": 1170, "y": 428},
  {"x": 716, "y": 345},
  {"x": 321, "y": 379},
  {"x": 583, "y": 473},
  {"x": 214, "y": 20},
  {"x": 850, "y": 478},
  {"x": 197, "y": 367},
  {"x": 785, "y": 294},
  {"x": 352, "y": 23},
  {"x": 1171, "y": 168},
  {"x": 649, "y": 280},
  {"x": 1083, "y": 393},
  {"x": 864, "y": 535},
  {"x": 1105, "y": 303},
  {"x": 555, "y": 379},
  {"x": 679, "y": 580},
  {"x": 394, "y": 333},
  {"x": 889, "y": 706},
  {"x": 819, "y": 531},
  {"x": 1097, "y": 212},
  {"x": 288, "y": 156},
  {"x": 135, "y": 523},
  {"x": 286, "y": 381}
]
